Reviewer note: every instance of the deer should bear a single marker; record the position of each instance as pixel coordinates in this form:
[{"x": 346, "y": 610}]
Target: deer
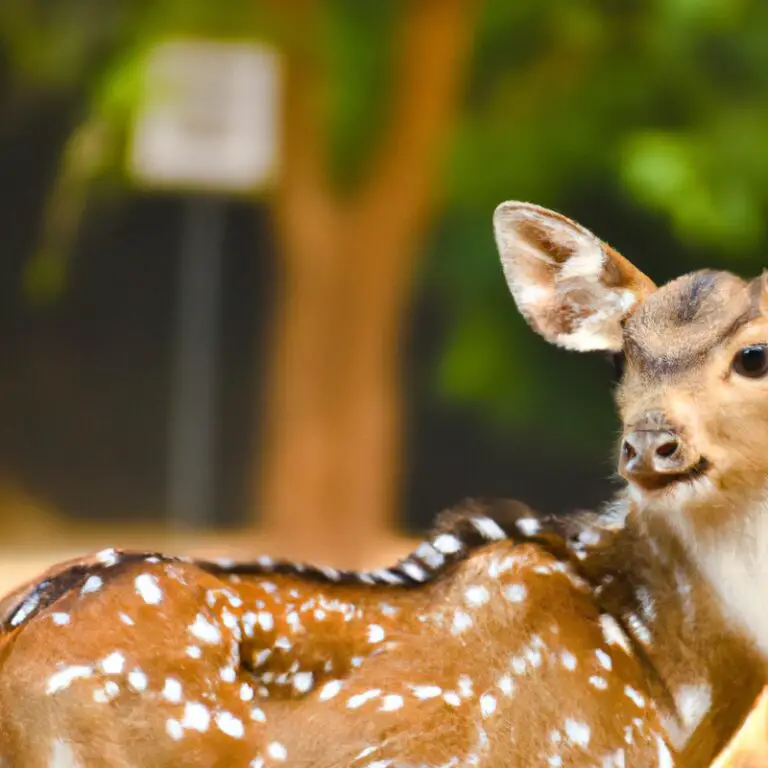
[{"x": 634, "y": 635}]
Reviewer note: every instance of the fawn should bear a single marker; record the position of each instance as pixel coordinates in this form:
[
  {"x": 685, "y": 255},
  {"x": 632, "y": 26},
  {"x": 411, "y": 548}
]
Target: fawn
[{"x": 635, "y": 636}]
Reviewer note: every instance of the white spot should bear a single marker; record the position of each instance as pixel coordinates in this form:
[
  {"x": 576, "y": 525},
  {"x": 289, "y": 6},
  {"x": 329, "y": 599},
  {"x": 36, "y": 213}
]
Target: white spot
[
  {"x": 693, "y": 702},
  {"x": 414, "y": 570},
  {"x": 137, "y": 680},
  {"x": 604, "y": 659},
  {"x": 196, "y": 717},
  {"x": 302, "y": 681},
  {"x": 499, "y": 566},
  {"x": 589, "y": 536},
  {"x": 204, "y": 630},
  {"x": 638, "y": 629},
  {"x": 477, "y": 595},
  {"x": 60, "y": 619},
  {"x": 148, "y": 588},
  {"x": 487, "y": 704},
  {"x": 329, "y": 690},
  {"x": 375, "y": 633},
  {"x": 113, "y": 664},
  {"x": 429, "y": 555},
  {"x": 194, "y": 651},
  {"x": 447, "y": 543},
  {"x": 598, "y": 682},
  {"x": 228, "y": 674},
  {"x": 92, "y": 584},
  {"x": 277, "y": 751},
  {"x": 506, "y": 685},
  {"x": 111, "y": 688},
  {"x": 359, "y": 699},
  {"x": 60, "y": 680},
  {"x": 452, "y": 698},
  {"x": 229, "y": 620},
  {"x": 426, "y": 691},
  {"x": 126, "y": 619},
  {"x": 229, "y": 724},
  {"x": 172, "y": 690},
  {"x": 391, "y": 702},
  {"x": 461, "y": 621},
  {"x": 330, "y": 573},
  {"x": 174, "y": 730},
  {"x": 258, "y": 715},
  {"x": 488, "y": 528},
  {"x": 246, "y": 692},
  {"x": 577, "y": 732},
  {"x": 266, "y": 620},
  {"x": 636, "y": 696},
  {"x": 293, "y": 620},
  {"x": 665, "y": 758},
  {"x": 568, "y": 660},
  {"x": 613, "y": 633},
  {"x": 528, "y": 526},
  {"x": 515, "y": 593}
]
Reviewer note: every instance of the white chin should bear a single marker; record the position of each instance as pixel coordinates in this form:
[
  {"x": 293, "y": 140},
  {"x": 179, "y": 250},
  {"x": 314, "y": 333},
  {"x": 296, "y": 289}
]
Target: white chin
[{"x": 680, "y": 493}]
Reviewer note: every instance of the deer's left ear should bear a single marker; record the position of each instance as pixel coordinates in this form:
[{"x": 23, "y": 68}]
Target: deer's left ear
[{"x": 572, "y": 289}]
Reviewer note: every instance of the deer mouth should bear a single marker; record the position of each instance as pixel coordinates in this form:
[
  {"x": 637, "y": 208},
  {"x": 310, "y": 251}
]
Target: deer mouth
[{"x": 661, "y": 481}]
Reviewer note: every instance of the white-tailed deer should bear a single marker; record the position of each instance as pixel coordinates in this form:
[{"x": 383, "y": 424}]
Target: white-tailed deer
[{"x": 634, "y": 637}]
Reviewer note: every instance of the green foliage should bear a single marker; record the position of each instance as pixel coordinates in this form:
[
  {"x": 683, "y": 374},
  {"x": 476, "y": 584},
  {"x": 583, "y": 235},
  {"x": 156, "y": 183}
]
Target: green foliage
[
  {"x": 613, "y": 114},
  {"x": 645, "y": 120}
]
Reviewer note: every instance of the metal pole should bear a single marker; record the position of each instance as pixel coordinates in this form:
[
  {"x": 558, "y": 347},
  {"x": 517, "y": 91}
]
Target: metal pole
[{"x": 192, "y": 451}]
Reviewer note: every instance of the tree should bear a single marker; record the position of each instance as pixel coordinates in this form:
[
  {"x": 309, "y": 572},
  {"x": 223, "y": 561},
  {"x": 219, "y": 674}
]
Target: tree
[{"x": 332, "y": 461}]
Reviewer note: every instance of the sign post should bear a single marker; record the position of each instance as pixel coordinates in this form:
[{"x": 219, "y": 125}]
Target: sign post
[{"x": 208, "y": 127}]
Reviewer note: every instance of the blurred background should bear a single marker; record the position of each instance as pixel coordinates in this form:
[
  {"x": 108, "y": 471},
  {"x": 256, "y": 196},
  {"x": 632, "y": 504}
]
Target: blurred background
[
  {"x": 248, "y": 277},
  {"x": 249, "y": 297}
]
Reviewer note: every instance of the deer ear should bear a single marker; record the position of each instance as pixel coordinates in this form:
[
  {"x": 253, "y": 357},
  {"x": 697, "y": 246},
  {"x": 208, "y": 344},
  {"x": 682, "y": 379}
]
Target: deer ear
[{"x": 572, "y": 289}]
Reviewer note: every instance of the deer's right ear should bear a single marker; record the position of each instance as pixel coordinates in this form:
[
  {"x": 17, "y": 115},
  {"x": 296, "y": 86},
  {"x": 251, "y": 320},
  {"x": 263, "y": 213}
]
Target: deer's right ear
[{"x": 572, "y": 289}]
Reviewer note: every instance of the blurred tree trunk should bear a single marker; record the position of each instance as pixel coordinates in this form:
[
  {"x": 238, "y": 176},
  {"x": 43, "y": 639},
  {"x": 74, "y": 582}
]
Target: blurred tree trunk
[{"x": 330, "y": 470}]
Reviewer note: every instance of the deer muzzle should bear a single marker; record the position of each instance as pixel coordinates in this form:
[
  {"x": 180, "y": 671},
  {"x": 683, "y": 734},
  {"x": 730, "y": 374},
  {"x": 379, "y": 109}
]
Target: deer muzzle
[{"x": 654, "y": 458}]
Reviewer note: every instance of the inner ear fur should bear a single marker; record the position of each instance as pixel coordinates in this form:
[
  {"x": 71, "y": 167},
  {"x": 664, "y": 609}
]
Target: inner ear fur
[{"x": 573, "y": 289}]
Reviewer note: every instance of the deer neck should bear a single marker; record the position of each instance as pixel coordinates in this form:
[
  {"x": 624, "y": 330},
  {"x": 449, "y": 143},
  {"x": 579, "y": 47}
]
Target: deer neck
[{"x": 689, "y": 596}]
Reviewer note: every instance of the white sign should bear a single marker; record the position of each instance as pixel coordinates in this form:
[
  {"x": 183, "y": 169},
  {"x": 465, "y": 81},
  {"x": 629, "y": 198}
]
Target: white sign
[{"x": 209, "y": 119}]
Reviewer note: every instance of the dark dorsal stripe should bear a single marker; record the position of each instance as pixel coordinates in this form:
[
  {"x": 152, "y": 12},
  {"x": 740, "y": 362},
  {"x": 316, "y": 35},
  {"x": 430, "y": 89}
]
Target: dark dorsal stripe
[
  {"x": 459, "y": 533},
  {"x": 86, "y": 577}
]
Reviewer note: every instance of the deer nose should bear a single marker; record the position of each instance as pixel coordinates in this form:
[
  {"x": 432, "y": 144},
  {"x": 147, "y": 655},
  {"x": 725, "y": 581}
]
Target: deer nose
[{"x": 649, "y": 452}]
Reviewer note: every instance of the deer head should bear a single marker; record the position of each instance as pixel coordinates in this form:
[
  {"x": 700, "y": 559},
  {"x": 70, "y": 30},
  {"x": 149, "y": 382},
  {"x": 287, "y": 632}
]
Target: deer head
[{"x": 693, "y": 393}]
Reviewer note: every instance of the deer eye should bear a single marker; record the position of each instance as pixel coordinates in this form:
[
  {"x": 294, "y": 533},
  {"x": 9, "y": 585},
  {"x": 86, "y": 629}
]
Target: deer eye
[{"x": 751, "y": 361}]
